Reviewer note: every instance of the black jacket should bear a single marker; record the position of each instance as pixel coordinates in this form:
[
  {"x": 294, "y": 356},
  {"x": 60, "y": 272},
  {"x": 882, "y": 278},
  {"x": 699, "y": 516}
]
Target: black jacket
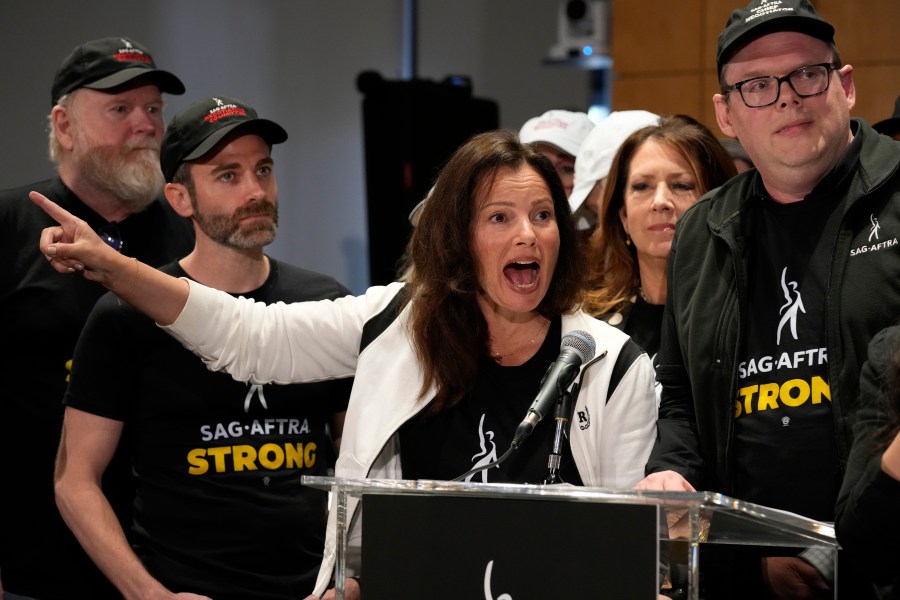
[
  {"x": 707, "y": 303},
  {"x": 868, "y": 524},
  {"x": 706, "y": 310}
]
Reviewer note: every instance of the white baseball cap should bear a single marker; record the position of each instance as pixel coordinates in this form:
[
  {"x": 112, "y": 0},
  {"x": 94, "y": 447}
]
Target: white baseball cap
[
  {"x": 564, "y": 129},
  {"x": 595, "y": 157}
]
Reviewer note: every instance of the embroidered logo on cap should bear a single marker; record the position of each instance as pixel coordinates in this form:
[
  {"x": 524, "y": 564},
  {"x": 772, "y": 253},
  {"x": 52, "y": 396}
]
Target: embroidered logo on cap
[
  {"x": 131, "y": 54},
  {"x": 766, "y": 8},
  {"x": 551, "y": 124},
  {"x": 223, "y": 110}
]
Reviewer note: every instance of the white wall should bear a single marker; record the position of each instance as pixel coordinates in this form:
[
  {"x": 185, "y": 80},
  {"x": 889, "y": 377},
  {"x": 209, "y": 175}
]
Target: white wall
[{"x": 296, "y": 61}]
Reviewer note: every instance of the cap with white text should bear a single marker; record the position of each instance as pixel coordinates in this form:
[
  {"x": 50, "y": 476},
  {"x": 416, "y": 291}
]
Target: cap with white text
[
  {"x": 196, "y": 130},
  {"x": 762, "y": 17}
]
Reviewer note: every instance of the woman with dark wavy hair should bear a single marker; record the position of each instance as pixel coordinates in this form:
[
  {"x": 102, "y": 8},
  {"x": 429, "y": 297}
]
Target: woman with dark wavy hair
[
  {"x": 657, "y": 174},
  {"x": 447, "y": 365}
]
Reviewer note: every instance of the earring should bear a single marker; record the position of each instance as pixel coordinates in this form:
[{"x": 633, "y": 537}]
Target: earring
[{"x": 627, "y": 240}]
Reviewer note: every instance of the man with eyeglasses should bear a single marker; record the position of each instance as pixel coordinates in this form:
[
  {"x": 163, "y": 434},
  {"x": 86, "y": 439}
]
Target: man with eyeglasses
[
  {"x": 219, "y": 509},
  {"x": 777, "y": 282},
  {"x": 105, "y": 126}
]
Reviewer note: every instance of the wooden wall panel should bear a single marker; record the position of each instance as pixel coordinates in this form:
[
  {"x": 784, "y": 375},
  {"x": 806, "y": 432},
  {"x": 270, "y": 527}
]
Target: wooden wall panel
[
  {"x": 877, "y": 86},
  {"x": 865, "y": 30},
  {"x": 664, "y": 53},
  {"x": 660, "y": 95},
  {"x": 657, "y": 38},
  {"x": 866, "y": 33}
]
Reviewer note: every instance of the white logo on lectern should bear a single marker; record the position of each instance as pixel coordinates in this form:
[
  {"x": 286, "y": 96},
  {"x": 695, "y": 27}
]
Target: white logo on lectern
[{"x": 488, "y": 595}]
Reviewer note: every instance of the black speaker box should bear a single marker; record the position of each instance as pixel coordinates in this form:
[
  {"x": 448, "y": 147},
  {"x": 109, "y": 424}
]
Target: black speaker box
[{"x": 411, "y": 127}]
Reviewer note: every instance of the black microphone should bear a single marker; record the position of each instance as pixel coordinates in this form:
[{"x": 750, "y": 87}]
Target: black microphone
[{"x": 577, "y": 347}]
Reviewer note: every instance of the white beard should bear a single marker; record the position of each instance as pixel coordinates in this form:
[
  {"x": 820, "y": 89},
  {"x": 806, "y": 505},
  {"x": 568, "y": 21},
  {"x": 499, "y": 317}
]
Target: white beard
[{"x": 133, "y": 176}]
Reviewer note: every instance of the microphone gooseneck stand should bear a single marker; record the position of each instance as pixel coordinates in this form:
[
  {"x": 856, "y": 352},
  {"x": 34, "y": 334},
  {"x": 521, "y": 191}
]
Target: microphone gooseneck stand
[{"x": 561, "y": 416}]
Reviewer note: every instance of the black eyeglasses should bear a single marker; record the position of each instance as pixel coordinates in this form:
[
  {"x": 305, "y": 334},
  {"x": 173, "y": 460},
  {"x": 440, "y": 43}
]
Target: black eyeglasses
[
  {"x": 807, "y": 81},
  {"x": 110, "y": 234}
]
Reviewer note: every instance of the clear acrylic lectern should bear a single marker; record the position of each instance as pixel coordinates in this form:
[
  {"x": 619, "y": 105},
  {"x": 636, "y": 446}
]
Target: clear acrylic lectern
[{"x": 691, "y": 518}]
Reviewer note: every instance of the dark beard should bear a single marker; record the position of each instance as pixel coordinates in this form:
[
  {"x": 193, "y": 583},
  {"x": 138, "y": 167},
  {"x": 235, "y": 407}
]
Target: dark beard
[{"x": 227, "y": 229}]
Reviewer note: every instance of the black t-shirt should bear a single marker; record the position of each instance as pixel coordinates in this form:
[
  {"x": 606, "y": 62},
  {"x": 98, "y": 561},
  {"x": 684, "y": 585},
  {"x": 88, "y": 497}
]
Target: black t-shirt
[
  {"x": 43, "y": 313},
  {"x": 785, "y": 448},
  {"x": 644, "y": 325},
  {"x": 219, "y": 508},
  {"x": 480, "y": 428}
]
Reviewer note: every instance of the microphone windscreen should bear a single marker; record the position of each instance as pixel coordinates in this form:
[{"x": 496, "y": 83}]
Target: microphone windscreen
[{"x": 582, "y": 342}]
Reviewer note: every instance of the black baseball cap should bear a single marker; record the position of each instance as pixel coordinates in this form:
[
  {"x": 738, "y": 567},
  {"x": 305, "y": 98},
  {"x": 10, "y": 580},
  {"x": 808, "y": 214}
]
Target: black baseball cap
[
  {"x": 891, "y": 125},
  {"x": 762, "y": 17},
  {"x": 108, "y": 63},
  {"x": 196, "y": 130}
]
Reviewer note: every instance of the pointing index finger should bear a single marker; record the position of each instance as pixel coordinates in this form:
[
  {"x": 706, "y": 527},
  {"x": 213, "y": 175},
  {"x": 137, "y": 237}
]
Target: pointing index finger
[{"x": 59, "y": 214}]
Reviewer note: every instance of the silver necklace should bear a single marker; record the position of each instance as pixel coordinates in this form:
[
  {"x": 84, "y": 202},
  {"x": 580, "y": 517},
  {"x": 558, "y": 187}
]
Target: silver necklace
[{"x": 499, "y": 357}]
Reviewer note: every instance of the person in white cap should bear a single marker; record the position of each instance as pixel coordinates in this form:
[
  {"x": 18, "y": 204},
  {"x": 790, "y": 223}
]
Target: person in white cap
[
  {"x": 594, "y": 159},
  {"x": 558, "y": 135}
]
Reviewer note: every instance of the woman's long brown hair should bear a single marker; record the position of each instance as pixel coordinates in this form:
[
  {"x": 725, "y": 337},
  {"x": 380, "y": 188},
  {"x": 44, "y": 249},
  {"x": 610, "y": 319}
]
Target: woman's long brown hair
[
  {"x": 614, "y": 277},
  {"x": 448, "y": 330}
]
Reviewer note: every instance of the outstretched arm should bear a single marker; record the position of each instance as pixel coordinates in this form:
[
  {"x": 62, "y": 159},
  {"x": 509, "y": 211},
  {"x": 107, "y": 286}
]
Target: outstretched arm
[{"x": 72, "y": 246}]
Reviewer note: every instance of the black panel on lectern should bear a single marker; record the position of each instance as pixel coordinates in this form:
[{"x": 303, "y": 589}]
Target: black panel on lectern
[
  {"x": 456, "y": 548},
  {"x": 411, "y": 127}
]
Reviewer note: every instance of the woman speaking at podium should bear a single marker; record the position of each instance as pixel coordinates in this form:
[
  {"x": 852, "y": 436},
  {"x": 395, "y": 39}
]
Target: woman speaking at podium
[{"x": 451, "y": 361}]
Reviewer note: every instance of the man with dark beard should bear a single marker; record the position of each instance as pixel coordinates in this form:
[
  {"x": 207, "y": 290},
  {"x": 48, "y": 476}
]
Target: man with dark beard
[
  {"x": 105, "y": 127},
  {"x": 219, "y": 510}
]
